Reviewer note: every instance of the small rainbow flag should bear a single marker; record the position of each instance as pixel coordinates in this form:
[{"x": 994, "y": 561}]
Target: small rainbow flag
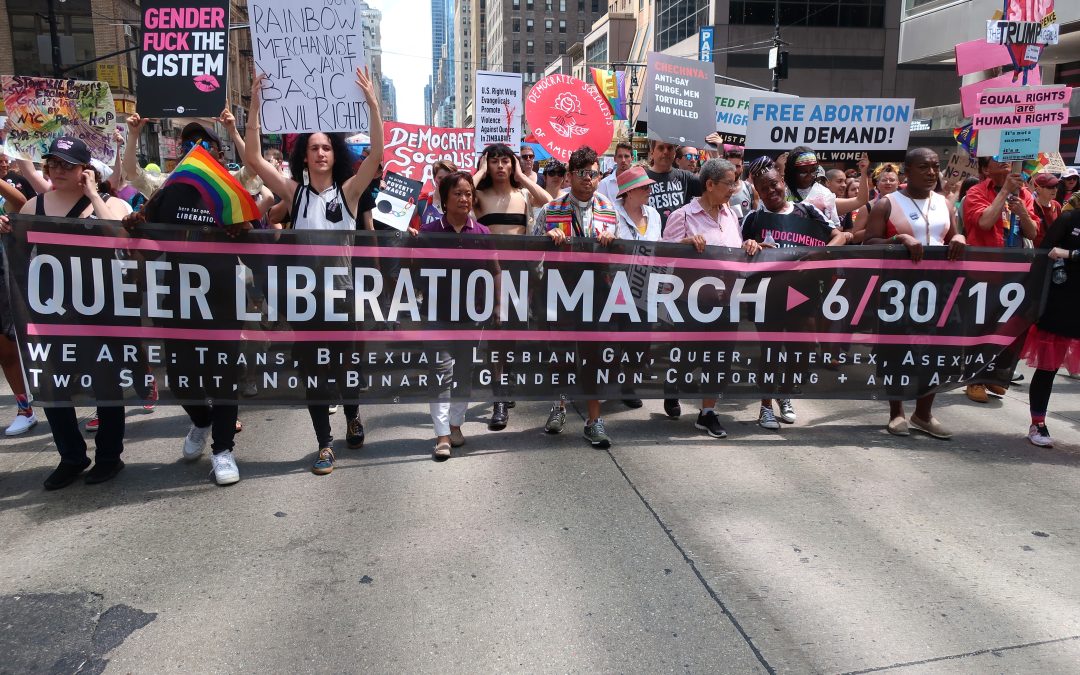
[
  {"x": 229, "y": 202},
  {"x": 612, "y": 84}
]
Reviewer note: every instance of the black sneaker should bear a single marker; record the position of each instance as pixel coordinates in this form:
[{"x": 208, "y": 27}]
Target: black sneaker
[
  {"x": 354, "y": 435},
  {"x": 632, "y": 402},
  {"x": 64, "y": 475},
  {"x": 672, "y": 408},
  {"x": 104, "y": 471},
  {"x": 708, "y": 422},
  {"x": 499, "y": 416}
]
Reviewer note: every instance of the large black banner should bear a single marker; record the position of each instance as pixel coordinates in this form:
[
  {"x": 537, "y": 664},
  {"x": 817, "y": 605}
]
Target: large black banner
[
  {"x": 274, "y": 317},
  {"x": 184, "y": 60}
]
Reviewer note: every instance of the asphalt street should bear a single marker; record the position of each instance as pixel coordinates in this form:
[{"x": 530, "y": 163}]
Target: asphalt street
[{"x": 827, "y": 547}]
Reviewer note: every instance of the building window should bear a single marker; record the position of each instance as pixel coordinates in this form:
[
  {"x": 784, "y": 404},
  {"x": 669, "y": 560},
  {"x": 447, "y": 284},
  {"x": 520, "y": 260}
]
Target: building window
[
  {"x": 581, "y": 5},
  {"x": 530, "y": 47},
  {"x": 562, "y": 26},
  {"x": 548, "y": 23},
  {"x": 517, "y": 4},
  {"x": 817, "y": 13},
  {"x": 549, "y": 49},
  {"x": 517, "y": 67},
  {"x": 562, "y": 5},
  {"x": 529, "y": 25},
  {"x": 677, "y": 20},
  {"x": 581, "y": 25},
  {"x": 596, "y": 54},
  {"x": 528, "y": 4},
  {"x": 547, "y": 6},
  {"x": 517, "y": 25},
  {"x": 596, "y": 6},
  {"x": 562, "y": 47},
  {"x": 517, "y": 46}
]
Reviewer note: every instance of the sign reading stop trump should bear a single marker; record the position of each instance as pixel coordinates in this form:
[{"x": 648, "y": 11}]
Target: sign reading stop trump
[{"x": 564, "y": 114}]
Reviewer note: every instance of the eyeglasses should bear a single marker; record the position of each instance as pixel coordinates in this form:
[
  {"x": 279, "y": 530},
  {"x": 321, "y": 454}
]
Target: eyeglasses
[
  {"x": 188, "y": 145},
  {"x": 729, "y": 183},
  {"x": 587, "y": 174},
  {"x": 53, "y": 164}
]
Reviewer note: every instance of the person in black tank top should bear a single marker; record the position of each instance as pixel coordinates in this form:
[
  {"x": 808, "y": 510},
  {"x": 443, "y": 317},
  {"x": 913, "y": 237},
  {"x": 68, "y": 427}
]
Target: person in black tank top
[{"x": 75, "y": 195}]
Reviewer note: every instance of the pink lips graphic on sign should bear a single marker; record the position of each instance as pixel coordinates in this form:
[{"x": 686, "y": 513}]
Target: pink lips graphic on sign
[{"x": 206, "y": 83}]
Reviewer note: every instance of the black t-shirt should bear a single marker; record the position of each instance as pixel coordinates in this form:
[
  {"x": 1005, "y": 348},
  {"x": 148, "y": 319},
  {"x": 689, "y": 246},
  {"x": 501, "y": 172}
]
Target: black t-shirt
[
  {"x": 804, "y": 226},
  {"x": 21, "y": 184},
  {"x": 672, "y": 190},
  {"x": 1060, "y": 315},
  {"x": 179, "y": 204}
]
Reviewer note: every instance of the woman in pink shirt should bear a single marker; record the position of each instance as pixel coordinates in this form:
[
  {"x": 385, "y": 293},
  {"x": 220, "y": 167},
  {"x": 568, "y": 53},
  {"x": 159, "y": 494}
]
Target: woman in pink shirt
[{"x": 707, "y": 221}]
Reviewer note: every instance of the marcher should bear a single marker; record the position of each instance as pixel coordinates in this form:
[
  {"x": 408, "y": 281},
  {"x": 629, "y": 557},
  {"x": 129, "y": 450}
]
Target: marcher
[
  {"x": 556, "y": 182},
  {"x": 322, "y": 189},
  {"x": 75, "y": 194},
  {"x": 687, "y": 159},
  {"x": 430, "y": 209},
  {"x": 1070, "y": 179},
  {"x": 707, "y": 221},
  {"x": 744, "y": 199},
  {"x": 1054, "y": 340},
  {"x": 609, "y": 185},
  {"x": 997, "y": 214},
  {"x": 581, "y": 213},
  {"x": 934, "y": 224},
  {"x": 800, "y": 176},
  {"x": 1047, "y": 209},
  {"x": 505, "y": 199},
  {"x": 527, "y": 159},
  {"x": 774, "y": 192}
]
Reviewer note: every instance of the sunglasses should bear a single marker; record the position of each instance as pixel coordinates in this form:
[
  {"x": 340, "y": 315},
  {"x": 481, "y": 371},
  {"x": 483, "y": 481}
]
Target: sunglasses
[
  {"x": 528, "y": 156},
  {"x": 587, "y": 174},
  {"x": 690, "y": 156},
  {"x": 188, "y": 145}
]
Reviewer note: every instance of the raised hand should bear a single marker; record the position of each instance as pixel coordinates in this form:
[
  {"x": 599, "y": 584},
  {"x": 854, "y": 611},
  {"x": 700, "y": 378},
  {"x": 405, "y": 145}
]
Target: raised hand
[
  {"x": 227, "y": 119},
  {"x": 135, "y": 123}
]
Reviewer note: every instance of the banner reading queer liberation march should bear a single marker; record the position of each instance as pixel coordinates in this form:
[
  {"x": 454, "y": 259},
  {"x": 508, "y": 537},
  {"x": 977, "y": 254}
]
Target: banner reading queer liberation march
[
  {"x": 310, "y": 49},
  {"x": 497, "y": 109},
  {"x": 565, "y": 114},
  {"x": 185, "y": 55},
  {"x": 679, "y": 99},
  {"x": 376, "y": 316},
  {"x": 733, "y": 110},
  {"x": 838, "y": 129},
  {"x": 411, "y": 149},
  {"x": 40, "y": 109}
]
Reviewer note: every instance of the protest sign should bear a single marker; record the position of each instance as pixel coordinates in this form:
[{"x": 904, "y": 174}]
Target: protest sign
[
  {"x": 41, "y": 109},
  {"x": 969, "y": 93},
  {"x": 310, "y": 49},
  {"x": 1021, "y": 122},
  {"x": 833, "y": 127},
  {"x": 497, "y": 109},
  {"x": 370, "y": 312},
  {"x": 564, "y": 114},
  {"x": 1054, "y": 163},
  {"x": 679, "y": 98},
  {"x": 411, "y": 149},
  {"x": 396, "y": 201},
  {"x": 960, "y": 166},
  {"x": 184, "y": 60},
  {"x": 976, "y": 55},
  {"x": 733, "y": 110}
]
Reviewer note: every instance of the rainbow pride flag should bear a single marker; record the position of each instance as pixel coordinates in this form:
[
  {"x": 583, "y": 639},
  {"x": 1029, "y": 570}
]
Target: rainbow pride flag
[
  {"x": 229, "y": 202},
  {"x": 612, "y": 84}
]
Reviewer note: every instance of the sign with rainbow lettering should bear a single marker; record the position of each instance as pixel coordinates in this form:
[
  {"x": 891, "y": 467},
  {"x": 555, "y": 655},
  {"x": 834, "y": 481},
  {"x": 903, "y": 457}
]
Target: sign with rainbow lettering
[{"x": 41, "y": 109}]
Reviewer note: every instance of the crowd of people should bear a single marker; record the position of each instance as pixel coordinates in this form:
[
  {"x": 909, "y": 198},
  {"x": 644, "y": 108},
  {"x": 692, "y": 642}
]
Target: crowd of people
[{"x": 681, "y": 195}]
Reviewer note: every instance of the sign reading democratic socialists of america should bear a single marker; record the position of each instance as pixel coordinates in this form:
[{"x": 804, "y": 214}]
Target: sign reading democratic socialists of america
[
  {"x": 411, "y": 149},
  {"x": 836, "y": 128},
  {"x": 310, "y": 49},
  {"x": 183, "y": 65},
  {"x": 564, "y": 114}
]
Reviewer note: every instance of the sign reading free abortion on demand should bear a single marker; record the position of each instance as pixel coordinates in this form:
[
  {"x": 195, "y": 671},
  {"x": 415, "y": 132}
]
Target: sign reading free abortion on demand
[{"x": 838, "y": 129}]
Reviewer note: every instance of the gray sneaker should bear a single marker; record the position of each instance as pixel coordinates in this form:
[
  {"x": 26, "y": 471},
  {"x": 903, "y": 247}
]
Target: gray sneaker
[
  {"x": 556, "y": 420},
  {"x": 596, "y": 435},
  {"x": 767, "y": 420}
]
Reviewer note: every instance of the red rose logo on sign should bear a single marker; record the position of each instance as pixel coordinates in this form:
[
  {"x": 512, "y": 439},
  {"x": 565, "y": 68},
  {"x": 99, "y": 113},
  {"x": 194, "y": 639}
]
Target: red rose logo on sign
[{"x": 565, "y": 113}]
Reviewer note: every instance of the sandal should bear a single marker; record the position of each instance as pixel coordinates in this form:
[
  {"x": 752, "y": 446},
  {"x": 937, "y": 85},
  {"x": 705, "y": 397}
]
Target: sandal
[{"x": 442, "y": 451}]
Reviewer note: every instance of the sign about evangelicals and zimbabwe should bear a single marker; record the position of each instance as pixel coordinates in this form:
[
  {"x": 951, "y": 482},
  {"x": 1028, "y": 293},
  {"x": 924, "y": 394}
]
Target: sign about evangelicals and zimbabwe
[
  {"x": 836, "y": 128},
  {"x": 679, "y": 99},
  {"x": 733, "y": 110},
  {"x": 375, "y": 316},
  {"x": 411, "y": 149},
  {"x": 40, "y": 109},
  {"x": 310, "y": 49},
  {"x": 497, "y": 109},
  {"x": 565, "y": 114},
  {"x": 183, "y": 67}
]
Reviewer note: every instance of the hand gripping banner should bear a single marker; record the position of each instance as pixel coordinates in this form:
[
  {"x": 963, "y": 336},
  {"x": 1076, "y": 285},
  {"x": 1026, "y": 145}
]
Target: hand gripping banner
[{"x": 281, "y": 316}]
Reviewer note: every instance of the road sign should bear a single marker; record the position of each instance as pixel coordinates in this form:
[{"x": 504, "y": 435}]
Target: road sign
[{"x": 705, "y": 43}]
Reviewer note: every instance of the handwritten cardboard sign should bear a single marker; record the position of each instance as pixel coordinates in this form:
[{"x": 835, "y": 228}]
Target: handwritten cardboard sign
[
  {"x": 41, "y": 109},
  {"x": 310, "y": 49},
  {"x": 183, "y": 67}
]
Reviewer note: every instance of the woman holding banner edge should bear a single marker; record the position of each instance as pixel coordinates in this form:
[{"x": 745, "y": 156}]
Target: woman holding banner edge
[{"x": 325, "y": 199}]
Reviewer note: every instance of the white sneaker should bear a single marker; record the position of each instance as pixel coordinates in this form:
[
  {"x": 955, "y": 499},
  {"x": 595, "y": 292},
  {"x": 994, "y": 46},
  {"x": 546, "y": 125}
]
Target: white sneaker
[
  {"x": 225, "y": 470},
  {"x": 787, "y": 411},
  {"x": 333, "y": 409},
  {"x": 767, "y": 420},
  {"x": 1039, "y": 435},
  {"x": 21, "y": 425},
  {"x": 195, "y": 442}
]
